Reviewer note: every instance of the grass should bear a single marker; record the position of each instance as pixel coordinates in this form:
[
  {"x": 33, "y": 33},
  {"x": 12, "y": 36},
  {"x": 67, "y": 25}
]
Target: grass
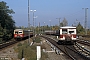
[
  {"x": 29, "y": 52},
  {"x": 36, "y": 39},
  {"x": 44, "y": 56},
  {"x": 25, "y": 51}
]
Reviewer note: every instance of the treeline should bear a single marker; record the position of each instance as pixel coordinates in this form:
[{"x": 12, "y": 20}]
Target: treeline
[
  {"x": 64, "y": 22},
  {"x": 7, "y": 24},
  {"x": 81, "y": 30}
]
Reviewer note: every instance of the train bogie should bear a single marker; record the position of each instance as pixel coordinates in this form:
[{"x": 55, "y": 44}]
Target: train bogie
[{"x": 64, "y": 42}]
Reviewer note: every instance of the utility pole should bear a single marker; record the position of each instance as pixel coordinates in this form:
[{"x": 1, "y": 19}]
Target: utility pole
[
  {"x": 85, "y": 26},
  {"x": 39, "y": 30},
  {"x": 50, "y": 27},
  {"x": 35, "y": 25},
  {"x": 28, "y": 23},
  {"x": 33, "y": 20},
  {"x": 44, "y": 27},
  {"x": 59, "y": 22}
]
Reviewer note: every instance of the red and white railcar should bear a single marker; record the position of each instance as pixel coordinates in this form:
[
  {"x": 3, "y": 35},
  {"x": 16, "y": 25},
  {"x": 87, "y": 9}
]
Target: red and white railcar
[
  {"x": 20, "y": 33},
  {"x": 67, "y": 34},
  {"x": 67, "y": 31}
]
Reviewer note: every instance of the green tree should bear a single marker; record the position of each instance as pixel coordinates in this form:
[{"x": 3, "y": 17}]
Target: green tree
[
  {"x": 6, "y": 21},
  {"x": 1, "y": 33},
  {"x": 55, "y": 27},
  {"x": 80, "y": 29},
  {"x": 64, "y": 22}
]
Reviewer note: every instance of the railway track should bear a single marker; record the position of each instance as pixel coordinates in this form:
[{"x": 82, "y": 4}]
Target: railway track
[
  {"x": 88, "y": 36},
  {"x": 10, "y": 43},
  {"x": 70, "y": 51},
  {"x": 77, "y": 54},
  {"x": 83, "y": 50},
  {"x": 85, "y": 42},
  {"x": 4, "y": 45}
]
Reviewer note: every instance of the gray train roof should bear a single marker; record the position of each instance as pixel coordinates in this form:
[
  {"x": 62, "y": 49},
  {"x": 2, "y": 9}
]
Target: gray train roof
[
  {"x": 67, "y": 27},
  {"x": 18, "y": 29}
]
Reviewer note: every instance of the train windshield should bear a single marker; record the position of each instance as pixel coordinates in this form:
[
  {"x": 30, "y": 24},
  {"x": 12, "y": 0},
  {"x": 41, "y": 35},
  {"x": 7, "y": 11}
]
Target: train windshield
[
  {"x": 64, "y": 31},
  {"x": 16, "y": 32},
  {"x": 20, "y": 32},
  {"x": 71, "y": 32}
]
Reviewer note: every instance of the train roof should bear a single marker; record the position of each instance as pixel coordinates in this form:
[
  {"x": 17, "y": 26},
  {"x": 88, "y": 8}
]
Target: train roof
[
  {"x": 18, "y": 29},
  {"x": 48, "y": 30},
  {"x": 21, "y": 30},
  {"x": 67, "y": 27}
]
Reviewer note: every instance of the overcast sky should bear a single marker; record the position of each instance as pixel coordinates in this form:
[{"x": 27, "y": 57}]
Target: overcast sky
[{"x": 49, "y": 10}]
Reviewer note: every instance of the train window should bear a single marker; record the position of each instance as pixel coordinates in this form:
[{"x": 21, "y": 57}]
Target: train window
[
  {"x": 20, "y": 32},
  {"x": 71, "y": 32},
  {"x": 64, "y": 31},
  {"x": 16, "y": 32}
]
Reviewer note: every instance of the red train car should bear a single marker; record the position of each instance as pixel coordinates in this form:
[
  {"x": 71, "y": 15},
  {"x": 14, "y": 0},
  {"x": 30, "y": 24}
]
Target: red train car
[
  {"x": 67, "y": 35},
  {"x": 20, "y": 33},
  {"x": 68, "y": 31}
]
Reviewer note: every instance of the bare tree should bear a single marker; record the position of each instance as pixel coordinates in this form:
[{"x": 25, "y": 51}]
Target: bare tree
[{"x": 64, "y": 22}]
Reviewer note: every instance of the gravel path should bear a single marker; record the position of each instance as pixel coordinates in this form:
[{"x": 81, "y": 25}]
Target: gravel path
[{"x": 8, "y": 54}]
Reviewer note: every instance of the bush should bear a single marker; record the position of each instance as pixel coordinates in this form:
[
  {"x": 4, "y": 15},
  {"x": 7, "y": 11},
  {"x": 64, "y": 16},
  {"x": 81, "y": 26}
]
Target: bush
[
  {"x": 0, "y": 40},
  {"x": 44, "y": 56},
  {"x": 19, "y": 44},
  {"x": 28, "y": 52},
  {"x": 36, "y": 39}
]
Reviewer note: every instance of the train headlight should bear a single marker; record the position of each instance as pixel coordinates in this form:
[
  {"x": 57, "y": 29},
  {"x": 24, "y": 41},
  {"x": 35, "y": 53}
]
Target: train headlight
[
  {"x": 15, "y": 35},
  {"x": 74, "y": 36},
  {"x": 21, "y": 36}
]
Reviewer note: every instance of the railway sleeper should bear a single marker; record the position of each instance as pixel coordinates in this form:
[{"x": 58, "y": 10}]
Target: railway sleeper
[
  {"x": 53, "y": 48},
  {"x": 57, "y": 51},
  {"x": 83, "y": 51},
  {"x": 88, "y": 56}
]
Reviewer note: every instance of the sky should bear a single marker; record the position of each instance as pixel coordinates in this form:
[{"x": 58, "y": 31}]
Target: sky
[{"x": 48, "y": 10}]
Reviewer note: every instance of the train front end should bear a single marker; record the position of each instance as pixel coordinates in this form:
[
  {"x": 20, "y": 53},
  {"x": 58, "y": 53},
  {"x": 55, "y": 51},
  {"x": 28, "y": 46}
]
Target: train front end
[
  {"x": 67, "y": 35},
  {"x": 18, "y": 34}
]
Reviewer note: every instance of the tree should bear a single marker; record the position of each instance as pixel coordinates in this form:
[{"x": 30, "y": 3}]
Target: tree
[
  {"x": 6, "y": 21},
  {"x": 55, "y": 27},
  {"x": 64, "y": 22},
  {"x": 80, "y": 29},
  {"x": 1, "y": 33}
]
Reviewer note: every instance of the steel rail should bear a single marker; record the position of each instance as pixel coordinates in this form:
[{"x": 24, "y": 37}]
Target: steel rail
[
  {"x": 3, "y": 45},
  {"x": 83, "y": 50},
  {"x": 62, "y": 49},
  {"x": 85, "y": 42}
]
